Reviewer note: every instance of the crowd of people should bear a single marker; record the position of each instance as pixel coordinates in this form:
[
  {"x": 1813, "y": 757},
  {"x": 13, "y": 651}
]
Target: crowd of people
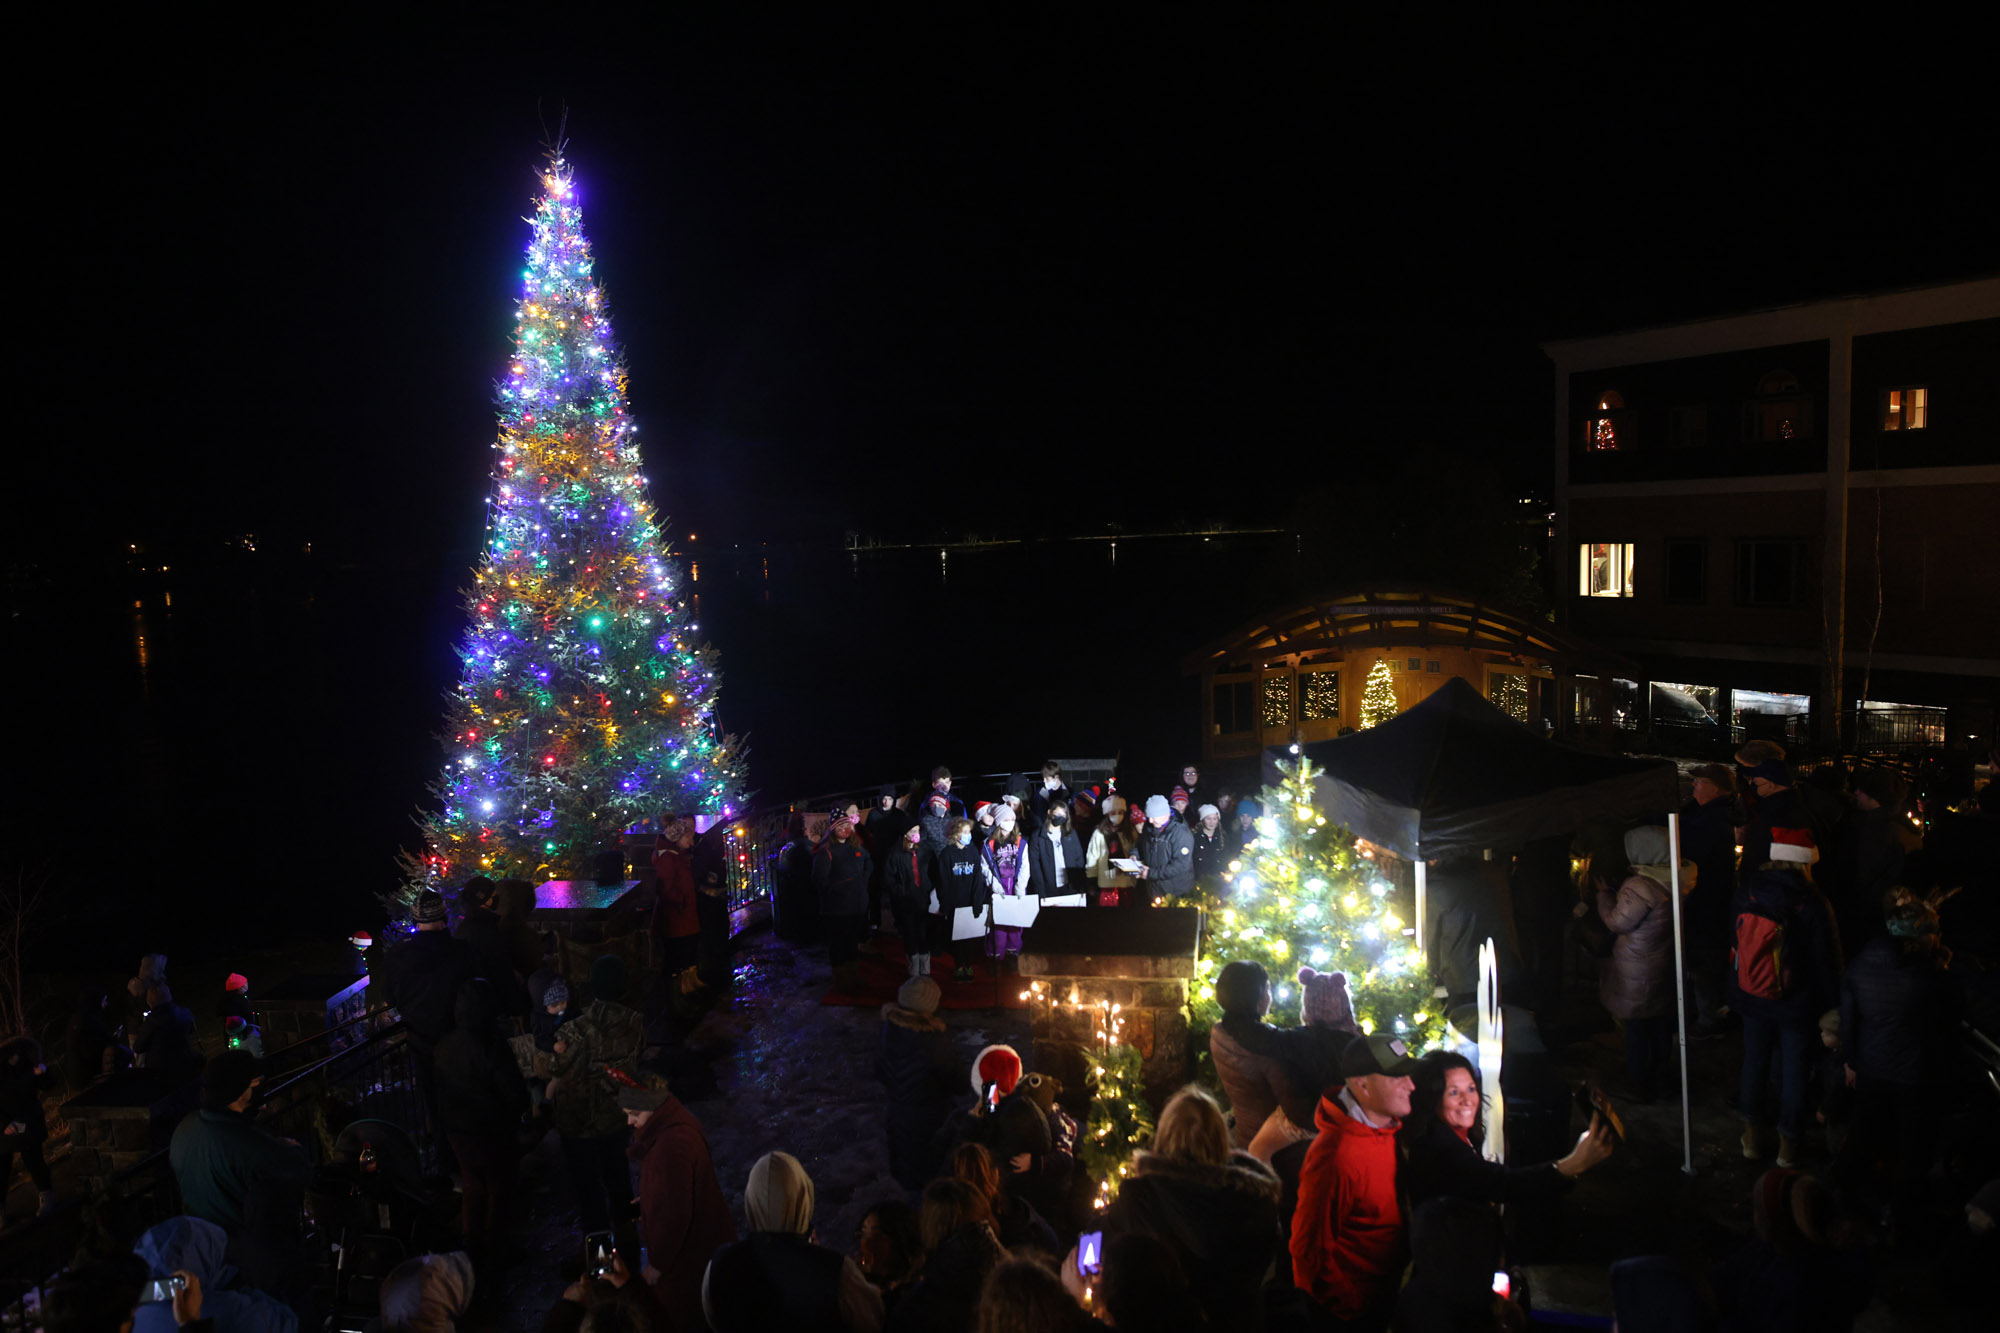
[{"x": 1337, "y": 1181}]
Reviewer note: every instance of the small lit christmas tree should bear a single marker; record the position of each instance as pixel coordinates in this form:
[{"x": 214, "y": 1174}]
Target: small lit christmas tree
[
  {"x": 1302, "y": 896},
  {"x": 586, "y": 703},
  {"x": 1119, "y": 1120},
  {"x": 1378, "y": 695}
]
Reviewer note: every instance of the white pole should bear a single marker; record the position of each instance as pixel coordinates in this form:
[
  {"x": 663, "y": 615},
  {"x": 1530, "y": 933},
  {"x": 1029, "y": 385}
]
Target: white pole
[
  {"x": 1419, "y": 863},
  {"x": 1680, "y": 985},
  {"x": 1492, "y": 1044}
]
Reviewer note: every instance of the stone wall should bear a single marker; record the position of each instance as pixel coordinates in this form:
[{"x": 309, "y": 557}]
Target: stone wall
[
  {"x": 119, "y": 1121},
  {"x": 1140, "y": 960}
]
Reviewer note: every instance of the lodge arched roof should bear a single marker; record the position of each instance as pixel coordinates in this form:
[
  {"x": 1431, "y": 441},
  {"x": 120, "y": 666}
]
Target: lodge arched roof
[{"x": 1398, "y": 616}]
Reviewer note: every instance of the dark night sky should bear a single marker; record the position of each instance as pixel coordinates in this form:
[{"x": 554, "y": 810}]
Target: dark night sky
[{"x": 863, "y": 267}]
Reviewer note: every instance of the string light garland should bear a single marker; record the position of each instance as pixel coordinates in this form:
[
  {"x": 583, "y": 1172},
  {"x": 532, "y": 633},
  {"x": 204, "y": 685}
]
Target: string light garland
[
  {"x": 586, "y": 704},
  {"x": 1119, "y": 1120},
  {"x": 1304, "y": 894}
]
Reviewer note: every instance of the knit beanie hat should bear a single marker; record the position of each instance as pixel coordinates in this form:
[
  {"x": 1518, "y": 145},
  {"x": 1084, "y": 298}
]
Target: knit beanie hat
[
  {"x": 645, "y": 1093},
  {"x": 919, "y": 995},
  {"x": 1086, "y": 796},
  {"x": 236, "y": 981},
  {"x": 1249, "y": 806},
  {"x": 1771, "y": 770},
  {"x": 1324, "y": 1001},
  {"x": 556, "y": 994},
  {"x": 779, "y": 1195},
  {"x": 1793, "y": 845},
  {"x": 1206, "y": 811},
  {"x": 429, "y": 909},
  {"x": 1179, "y": 797},
  {"x": 1829, "y": 1022},
  {"x": 1157, "y": 808},
  {"x": 996, "y": 1064}
]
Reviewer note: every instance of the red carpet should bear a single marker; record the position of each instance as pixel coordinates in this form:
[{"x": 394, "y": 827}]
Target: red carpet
[{"x": 882, "y": 973}]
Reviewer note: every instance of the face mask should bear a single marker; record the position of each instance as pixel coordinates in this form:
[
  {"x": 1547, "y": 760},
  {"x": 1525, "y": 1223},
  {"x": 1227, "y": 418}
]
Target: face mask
[
  {"x": 965, "y": 839},
  {"x": 1058, "y": 818}
]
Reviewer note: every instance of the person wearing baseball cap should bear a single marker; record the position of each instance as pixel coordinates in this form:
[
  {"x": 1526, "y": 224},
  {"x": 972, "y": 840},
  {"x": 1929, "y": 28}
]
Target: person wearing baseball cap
[{"x": 1348, "y": 1236}]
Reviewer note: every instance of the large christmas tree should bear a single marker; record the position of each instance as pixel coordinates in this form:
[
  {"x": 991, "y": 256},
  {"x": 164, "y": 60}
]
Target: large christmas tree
[
  {"x": 1303, "y": 895},
  {"x": 586, "y": 703}
]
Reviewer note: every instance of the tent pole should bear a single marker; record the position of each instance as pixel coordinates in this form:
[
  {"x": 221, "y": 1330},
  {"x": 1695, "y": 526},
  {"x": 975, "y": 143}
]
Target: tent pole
[
  {"x": 1680, "y": 986},
  {"x": 1419, "y": 863}
]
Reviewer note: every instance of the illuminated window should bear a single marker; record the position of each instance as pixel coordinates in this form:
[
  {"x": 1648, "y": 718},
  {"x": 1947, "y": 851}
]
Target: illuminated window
[
  {"x": 1277, "y": 701},
  {"x": 1907, "y": 408},
  {"x": 1604, "y": 569},
  {"x": 1602, "y": 428},
  {"x": 1319, "y": 695},
  {"x": 1508, "y": 689},
  {"x": 1779, "y": 412}
]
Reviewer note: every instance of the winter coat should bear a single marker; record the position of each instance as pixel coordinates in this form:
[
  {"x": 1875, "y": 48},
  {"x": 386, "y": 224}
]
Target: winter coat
[
  {"x": 1169, "y": 857},
  {"x": 1221, "y": 1222},
  {"x": 421, "y": 977},
  {"x": 934, "y": 824},
  {"x": 219, "y": 1156},
  {"x": 1211, "y": 854},
  {"x": 1012, "y": 871},
  {"x": 166, "y": 1041},
  {"x": 1249, "y": 1059},
  {"x": 795, "y": 905},
  {"x": 1783, "y": 808},
  {"x": 1455, "y": 1250},
  {"x": 1311, "y": 1056},
  {"x": 480, "y": 1090},
  {"x": 1866, "y": 862},
  {"x": 917, "y": 1065},
  {"x": 21, "y": 1092},
  {"x": 1894, "y": 1008},
  {"x": 1348, "y": 1245},
  {"x": 195, "y": 1246},
  {"x": 1437, "y": 1163},
  {"x": 1041, "y": 799},
  {"x": 1042, "y": 861},
  {"x": 674, "y": 913},
  {"x": 1637, "y": 981},
  {"x": 964, "y": 879},
  {"x": 1708, "y": 839},
  {"x": 777, "y": 1280},
  {"x": 946, "y": 1298},
  {"x": 840, "y": 873},
  {"x": 907, "y": 880},
  {"x": 1098, "y": 856},
  {"x": 1812, "y": 947},
  {"x": 603, "y": 1034},
  {"x": 683, "y": 1218}
]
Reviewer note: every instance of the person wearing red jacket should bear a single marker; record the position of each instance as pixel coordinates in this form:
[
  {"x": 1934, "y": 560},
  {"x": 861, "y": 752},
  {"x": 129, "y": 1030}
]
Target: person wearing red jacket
[
  {"x": 683, "y": 1218},
  {"x": 1348, "y": 1235},
  {"x": 676, "y": 914}
]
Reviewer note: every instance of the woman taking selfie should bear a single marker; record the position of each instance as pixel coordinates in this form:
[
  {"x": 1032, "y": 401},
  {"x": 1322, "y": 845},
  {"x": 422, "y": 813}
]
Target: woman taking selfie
[{"x": 1438, "y": 1146}]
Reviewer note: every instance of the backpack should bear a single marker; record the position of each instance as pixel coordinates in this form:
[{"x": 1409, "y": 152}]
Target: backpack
[{"x": 1758, "y": 956}]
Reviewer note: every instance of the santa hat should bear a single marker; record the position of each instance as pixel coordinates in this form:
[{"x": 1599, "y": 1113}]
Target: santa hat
[
  {"x": 235, "y": 1025},
  {"x": 999, "y": 1065},
  {"x": 1324, "y": 1001},
  {"x": 236, "y": 981},
  {"x": 1794, "y": 845},
  {"x": 979, "y": 811}
]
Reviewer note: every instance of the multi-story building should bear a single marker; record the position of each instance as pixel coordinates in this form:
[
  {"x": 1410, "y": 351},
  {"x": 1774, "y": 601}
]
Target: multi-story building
[{"x": 1790, "y": 519}]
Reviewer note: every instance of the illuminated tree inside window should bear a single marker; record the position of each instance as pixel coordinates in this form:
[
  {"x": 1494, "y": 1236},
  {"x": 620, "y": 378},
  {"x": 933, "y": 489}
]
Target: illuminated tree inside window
[
  {"x": 1510, "y": 694},
  {"x": 1319, "y": 695},
  {"x": 1277, "y": 701},
  {"x": 1378, "y": 695},
  {"x": 1603, "y": 435}
]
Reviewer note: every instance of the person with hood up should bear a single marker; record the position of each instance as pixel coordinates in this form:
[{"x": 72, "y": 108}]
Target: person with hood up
[
  {"x": 1636, "y": 983},
  {"x": 420, "y": 978},
  {"x": 1215, "y": 1208},
  {"x": 676, "y": 911},
  {"x": 683, "y": 1218},
  {"x": 963, "y": 879},
  {"x": 91, "y": 1044},
  {"x": 192, "y": 1246},
  {"x": 909, "y": 882},
  {"x": 603, "y": 1034},
  {"x": 1116, "y": 837},
  {"x": 23, "y": 1124},
  {"x": 1348, "y": 1242},
  {"x": 427, "y": 1294},
  {"x": 1007, "y": 857},
  {"x": 165, "y": 1041},
  {"x": 481, "y": 1099},
  {"x": 919, "y": 1069},
  {"x": 841, "y": 870},
  {"x": 1248, "y": 1052},
  {"x": 1167, "y": 853},
  {"x": 1438, "y": 1144},
  {"x": 960, "y": 1250},
  {"x": 1454, "y": 1252},
  {"x": 1784, "y": 973},
  {"x": 780, "y": 1276}
]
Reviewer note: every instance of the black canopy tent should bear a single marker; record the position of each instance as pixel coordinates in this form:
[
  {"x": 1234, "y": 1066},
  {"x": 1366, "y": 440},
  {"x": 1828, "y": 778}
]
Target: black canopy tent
[{"x": 1454, "y": 776}]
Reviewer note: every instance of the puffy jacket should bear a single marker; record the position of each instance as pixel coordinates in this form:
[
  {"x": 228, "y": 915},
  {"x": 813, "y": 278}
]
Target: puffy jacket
[
  {"x": 1348, "y": 1246},
  {"x": 1812, "y": 946},
  {"x": 422, "y": 976},
  {"x": 1637, "y": 981},
  {"x": 1893, "y": 1007},
  {"x": 917, "y": 1065},
  {"x": 479, "y": 1085},
  {"x": 1221, "y": 1222},
  {"x": 190, "y": 1244},
  {"x": 674, "y": 912},
  {"x": 840, "y": 873},
  {"x": 1249, "y": 1059},
  {"x": 1169, "y": 857},
  {"x": 683, "y": 1218}
]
